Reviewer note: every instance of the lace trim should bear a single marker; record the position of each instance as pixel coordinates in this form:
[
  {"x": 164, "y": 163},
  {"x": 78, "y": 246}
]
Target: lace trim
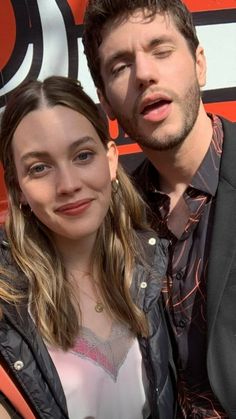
[{"x": 109, "y": 354}]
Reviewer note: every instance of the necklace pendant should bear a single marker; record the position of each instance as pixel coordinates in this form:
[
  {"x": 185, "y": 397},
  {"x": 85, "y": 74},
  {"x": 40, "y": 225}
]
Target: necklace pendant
[{"x": 99, "y": 307}]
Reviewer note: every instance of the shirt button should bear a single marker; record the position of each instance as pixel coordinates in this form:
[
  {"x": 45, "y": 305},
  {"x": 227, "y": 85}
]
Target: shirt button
[
  {"x": 152, "y": 241},
  {"x": 143, "y": 284},
  {"x": 182, "y": 323},
  {"x": 179, "y": 275},
  {"x": 18, "y": 365}
]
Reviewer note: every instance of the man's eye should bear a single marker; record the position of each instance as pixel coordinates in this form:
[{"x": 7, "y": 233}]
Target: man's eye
[
  {"x": 119, "y": 68},
  {"x": 163, "y": 53}
]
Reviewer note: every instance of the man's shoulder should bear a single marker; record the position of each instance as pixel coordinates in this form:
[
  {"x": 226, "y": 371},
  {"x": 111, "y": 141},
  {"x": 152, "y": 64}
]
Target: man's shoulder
[
  {"x": 227, "y": 167},
  {"x": 228, "y": 125},
  {"x": 229, "y": 132}
]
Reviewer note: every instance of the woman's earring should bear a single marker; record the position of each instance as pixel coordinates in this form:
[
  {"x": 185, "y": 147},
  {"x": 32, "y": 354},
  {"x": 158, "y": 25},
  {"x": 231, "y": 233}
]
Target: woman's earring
[
  {"x": 24, "y": 206},
  {"x": 115, "y": 185}
]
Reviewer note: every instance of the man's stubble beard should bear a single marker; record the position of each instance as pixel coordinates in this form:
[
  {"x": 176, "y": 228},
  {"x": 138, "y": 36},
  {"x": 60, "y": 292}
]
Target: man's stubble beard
[{"x": 189, "y": 107}]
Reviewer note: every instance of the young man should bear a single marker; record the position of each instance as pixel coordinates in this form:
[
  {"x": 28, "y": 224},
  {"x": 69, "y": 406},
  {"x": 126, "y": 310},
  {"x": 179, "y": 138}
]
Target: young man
[{"x": 148, "y": 67}]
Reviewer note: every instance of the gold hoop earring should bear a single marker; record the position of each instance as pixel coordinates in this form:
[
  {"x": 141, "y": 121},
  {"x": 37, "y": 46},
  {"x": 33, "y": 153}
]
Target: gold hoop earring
[
  {"x": 115, "y": 185},
  {"x": 26, "y": 206}
]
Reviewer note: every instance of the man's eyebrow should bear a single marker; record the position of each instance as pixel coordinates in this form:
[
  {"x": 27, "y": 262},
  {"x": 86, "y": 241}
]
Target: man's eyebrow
[
  {"x": 123, "y": 54},
  {"x": 44, "y": 154},
  {"x": 159, "y": 41}
]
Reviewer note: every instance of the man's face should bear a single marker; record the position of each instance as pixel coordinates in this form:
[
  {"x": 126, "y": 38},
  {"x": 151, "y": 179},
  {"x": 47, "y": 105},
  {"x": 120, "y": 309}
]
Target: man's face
[{"x": 151, "y": 80}]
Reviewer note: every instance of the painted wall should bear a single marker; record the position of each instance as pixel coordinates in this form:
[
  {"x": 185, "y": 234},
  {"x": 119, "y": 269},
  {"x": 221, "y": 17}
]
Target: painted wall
[{"x": 39, "y": 38}]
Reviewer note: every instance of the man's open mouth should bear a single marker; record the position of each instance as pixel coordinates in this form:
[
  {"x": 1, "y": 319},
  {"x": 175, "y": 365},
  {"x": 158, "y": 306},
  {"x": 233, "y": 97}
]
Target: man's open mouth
[{"x": 155, "y": 106}]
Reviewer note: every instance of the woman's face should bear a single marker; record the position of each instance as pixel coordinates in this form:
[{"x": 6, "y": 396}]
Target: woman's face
[{"x": 64, "y": 171}]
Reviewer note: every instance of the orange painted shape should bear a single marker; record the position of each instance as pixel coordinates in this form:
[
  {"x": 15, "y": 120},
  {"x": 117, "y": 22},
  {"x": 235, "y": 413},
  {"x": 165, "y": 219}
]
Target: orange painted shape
[
  {"x": 12, "y": 393},
  {"x": 129, "y": 149},
  {"x": 78, "y": 9},
  {"x": 7, "y": 31},
  {"x": 226, "y": 109},
  {"x": 113, "y": 129},
  {"x": 207, "y": 5}
]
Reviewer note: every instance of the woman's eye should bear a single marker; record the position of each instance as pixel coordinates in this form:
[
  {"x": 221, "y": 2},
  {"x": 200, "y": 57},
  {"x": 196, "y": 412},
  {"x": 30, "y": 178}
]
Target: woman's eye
[
  {"x": 37, "y": 169},
  {"x": 84, "y": 156}
]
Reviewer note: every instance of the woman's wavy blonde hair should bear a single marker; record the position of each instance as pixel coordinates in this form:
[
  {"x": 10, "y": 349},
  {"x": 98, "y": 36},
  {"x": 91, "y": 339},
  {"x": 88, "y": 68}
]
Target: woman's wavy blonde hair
[{"x": 116, "y": 247}]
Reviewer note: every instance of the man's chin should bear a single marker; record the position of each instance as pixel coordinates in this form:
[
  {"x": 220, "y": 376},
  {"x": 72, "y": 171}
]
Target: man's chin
[{"x": 159, "y": 142}]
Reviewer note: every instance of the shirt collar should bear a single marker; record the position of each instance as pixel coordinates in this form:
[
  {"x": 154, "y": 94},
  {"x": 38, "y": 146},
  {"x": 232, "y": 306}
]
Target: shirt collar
[{"x": 207, "y": 176}]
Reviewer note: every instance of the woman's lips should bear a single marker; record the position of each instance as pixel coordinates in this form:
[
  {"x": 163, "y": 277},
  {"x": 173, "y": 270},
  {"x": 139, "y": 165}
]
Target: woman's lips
[{"x": 75, "y": 208}]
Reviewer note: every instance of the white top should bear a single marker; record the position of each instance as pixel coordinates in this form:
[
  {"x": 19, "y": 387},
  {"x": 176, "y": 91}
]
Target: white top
[{"x": 103, "y": 379}]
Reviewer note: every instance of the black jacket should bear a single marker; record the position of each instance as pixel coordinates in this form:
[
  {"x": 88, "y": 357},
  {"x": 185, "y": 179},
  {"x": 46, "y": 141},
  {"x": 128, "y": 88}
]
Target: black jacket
[
  {"x": 38, "y": 380},
  {"x": 221, "y": 274}
]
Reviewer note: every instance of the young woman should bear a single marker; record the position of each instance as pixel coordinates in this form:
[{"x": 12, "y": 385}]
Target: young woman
[{"x": 81, "y": 329}]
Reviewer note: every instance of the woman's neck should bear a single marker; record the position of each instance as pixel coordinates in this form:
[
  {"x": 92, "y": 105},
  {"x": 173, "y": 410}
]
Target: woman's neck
[{"x": 76, "y": 254}]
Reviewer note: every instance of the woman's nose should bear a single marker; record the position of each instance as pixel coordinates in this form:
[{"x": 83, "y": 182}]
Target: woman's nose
[{"x": 68, "y": 181}]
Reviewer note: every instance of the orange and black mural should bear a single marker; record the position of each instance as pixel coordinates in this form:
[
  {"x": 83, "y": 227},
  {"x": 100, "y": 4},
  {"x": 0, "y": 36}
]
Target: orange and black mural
[{"x": 39, "y": 38}]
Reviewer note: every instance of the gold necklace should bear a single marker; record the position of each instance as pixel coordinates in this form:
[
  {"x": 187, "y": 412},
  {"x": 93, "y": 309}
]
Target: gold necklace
[{"x": 99, "y": 306}]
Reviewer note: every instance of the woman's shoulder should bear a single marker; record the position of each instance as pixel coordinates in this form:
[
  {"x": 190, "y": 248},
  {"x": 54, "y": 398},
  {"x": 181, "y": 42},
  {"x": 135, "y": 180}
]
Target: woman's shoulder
[
  {"x": 4, "y": 243},
  {"x": 154, "y": 250},
  {"x": 13, "y": 283},
  {"x": 6, "y": 260},
  {"x": 150, "y": 269}
]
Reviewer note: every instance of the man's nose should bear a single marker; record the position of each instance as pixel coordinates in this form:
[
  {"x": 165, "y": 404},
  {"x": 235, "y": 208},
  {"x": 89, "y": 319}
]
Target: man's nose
[
  {"x": 68, "y": 181},
  {"x": 146, "y": 70}
]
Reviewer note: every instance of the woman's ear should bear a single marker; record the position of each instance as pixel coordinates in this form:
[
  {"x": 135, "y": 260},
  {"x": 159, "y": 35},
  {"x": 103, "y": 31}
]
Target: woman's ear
[
  {"x": 112, "y": 155},
  {"x": 22, "y": 199}
]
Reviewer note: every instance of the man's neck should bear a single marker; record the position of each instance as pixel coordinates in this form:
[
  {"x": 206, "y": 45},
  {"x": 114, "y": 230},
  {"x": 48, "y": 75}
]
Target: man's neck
[{"x": 177, "y": 167}]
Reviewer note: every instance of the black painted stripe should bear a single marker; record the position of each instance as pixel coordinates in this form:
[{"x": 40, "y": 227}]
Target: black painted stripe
[
  {"x": 214, "y": 17},
  {"x": 219, "y": 95}
]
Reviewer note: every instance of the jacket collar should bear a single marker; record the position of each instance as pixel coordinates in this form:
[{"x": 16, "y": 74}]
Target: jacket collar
[{"x": 223, "y": 244}]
